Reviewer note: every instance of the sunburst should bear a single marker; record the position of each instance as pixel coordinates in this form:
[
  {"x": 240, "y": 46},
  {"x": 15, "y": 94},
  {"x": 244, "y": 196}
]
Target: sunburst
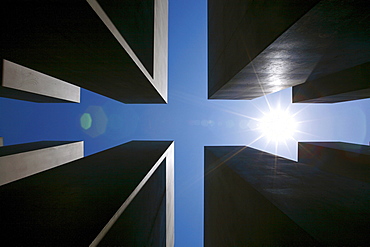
[{"x": 277, "y": 125}]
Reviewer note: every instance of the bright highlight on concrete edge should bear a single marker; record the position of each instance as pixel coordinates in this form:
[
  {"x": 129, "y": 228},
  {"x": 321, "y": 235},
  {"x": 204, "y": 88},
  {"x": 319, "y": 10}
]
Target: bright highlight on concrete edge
[{"x": 277, "y": 125}]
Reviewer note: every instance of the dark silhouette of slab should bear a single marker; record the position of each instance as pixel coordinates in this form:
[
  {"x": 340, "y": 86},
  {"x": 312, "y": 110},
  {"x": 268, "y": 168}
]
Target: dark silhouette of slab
[
  {"x": 78, "y": 42},
  {"x": 345, "y": 85},
  {"x": 236, "y": 214},
  {"x": 321, "y": 41},
  {"x": 135, "y": 20},
  {"x": 77, "y": 204},
  {"x": 345, "y": 159},
  {"x": 238, "y": 31},
  {"x": 132, "y": 228},
  {"x": 244, "y": 185}
]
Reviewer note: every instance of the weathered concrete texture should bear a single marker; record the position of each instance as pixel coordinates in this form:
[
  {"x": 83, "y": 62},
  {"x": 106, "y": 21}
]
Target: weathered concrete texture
[
  {"x": 23, "y": 160},
  {"x": 80, "y": 203},
  {"x": 78, "y": 42},
  {"x": 238, "y": 31},
  {"x": 345, "y": 159},
  {"x": 345, "y": 85},
  {"x": 1, "y": 141},
  {"x": 243, "y": 185},
  {"x": 331, "y": 37},
  {"x": 19, "y": 82}
]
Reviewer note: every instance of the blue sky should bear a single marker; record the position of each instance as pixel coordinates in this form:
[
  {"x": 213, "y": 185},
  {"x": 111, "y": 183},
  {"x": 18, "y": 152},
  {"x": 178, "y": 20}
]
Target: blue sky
[{"x": 189, "y": 119}]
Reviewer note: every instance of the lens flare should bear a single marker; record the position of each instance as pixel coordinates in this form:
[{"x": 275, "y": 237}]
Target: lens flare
[{"x": 86, "y": 121}]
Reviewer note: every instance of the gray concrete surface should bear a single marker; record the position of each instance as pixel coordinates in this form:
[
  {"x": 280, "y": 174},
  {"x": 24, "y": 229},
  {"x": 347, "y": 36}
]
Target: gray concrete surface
[
  {"x": 344, "y": 159},
  {"x": 331, "y": 209},
  {"x": 1, "y": 141},
  {"x": 345, "y": 85},
  {"x": 331, "y": 37},
  {"x": 128, "y": 226},
  {"x": 19, "y": 82},
  {"x": 236, "y": 214},
  {"x": 23, "y": 160},
  {"x": 77, "y": 42},
  {"x": 80, "y": 203},
  {"x": 238, "y": 31}
]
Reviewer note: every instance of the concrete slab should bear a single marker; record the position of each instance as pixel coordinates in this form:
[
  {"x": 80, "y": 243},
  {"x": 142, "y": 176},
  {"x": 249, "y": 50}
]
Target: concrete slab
[
  {"x": 129, "y": 226},
  {"x": 23, "y": 160},
  {"x": 344, "y": 159},
  {"x": 331, "y": 37},
  {"x": 345, "y": 85},
  {"x": 238, "y": 31},
  {"x": 236, "y": 214},
  {"x": 19, "y": 82},
  {"x": 240, "y": 182},
  {"x": 84, "y": 202},
  {"x": 78, "y": 42},
  {"x": 134, "y": 20}
]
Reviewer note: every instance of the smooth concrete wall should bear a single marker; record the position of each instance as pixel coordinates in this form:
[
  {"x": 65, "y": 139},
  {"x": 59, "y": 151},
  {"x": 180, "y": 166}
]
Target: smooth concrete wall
[
  {"x": 19, "y": 82},
  {"x": 76, "y": 41},
  {"x": 79, "y": 203},
  {"x": 345, "y": 85},
  {"x": 147, "y": 226},
  {"x": 23, "y": 160},
  {"x": 332, "y": 209},
  {"x": 345, "y": 159},
  {"x": 236, "y": 214},
  {"x": 135, "y": 21},
  {"x": 238, "y": 31},
  {"x": 330, "y": 38},
  {"x": 139, "y": 233},
  {"x": 141, "y": 27}
]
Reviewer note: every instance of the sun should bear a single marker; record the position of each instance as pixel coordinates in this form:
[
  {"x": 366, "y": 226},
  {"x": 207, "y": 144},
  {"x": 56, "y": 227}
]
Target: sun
[{"x": 277, "y": 125}]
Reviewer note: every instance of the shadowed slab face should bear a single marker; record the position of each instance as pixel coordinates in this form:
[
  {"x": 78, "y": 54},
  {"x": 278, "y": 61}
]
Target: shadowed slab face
[
  {"x": 332, "y": 209},
  {"x": 148, "y": 206},
  {"x": 345, "y": 159},
  {"x": 236, "y": 214},
  {"x": 69, "y": 41},
  {"x": 70, "y": 205},
  {"x": 345, "y": 85},
  {"x": 135, "y": 21},
  {"x": 331, "y": 37},
  {"x": 238, "y": 31}
]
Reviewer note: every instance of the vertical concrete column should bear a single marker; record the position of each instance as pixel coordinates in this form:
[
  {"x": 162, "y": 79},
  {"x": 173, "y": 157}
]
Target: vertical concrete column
[
  {"x": 155, "y": 197},
  {"x": 132, "y": 65},
  {"x": 236, "y": 214},
  {"x": 23, "y": 160},
  {"x": 239, "y": 32},
  {"x": 122, "y": 196},
  {"x": 260, "y": 47},
  {"x": 254, "y": 198}
]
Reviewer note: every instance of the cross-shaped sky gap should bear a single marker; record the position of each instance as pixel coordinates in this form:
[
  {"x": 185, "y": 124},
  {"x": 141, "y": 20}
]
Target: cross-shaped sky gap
[{"x": 189, "y": 118}]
